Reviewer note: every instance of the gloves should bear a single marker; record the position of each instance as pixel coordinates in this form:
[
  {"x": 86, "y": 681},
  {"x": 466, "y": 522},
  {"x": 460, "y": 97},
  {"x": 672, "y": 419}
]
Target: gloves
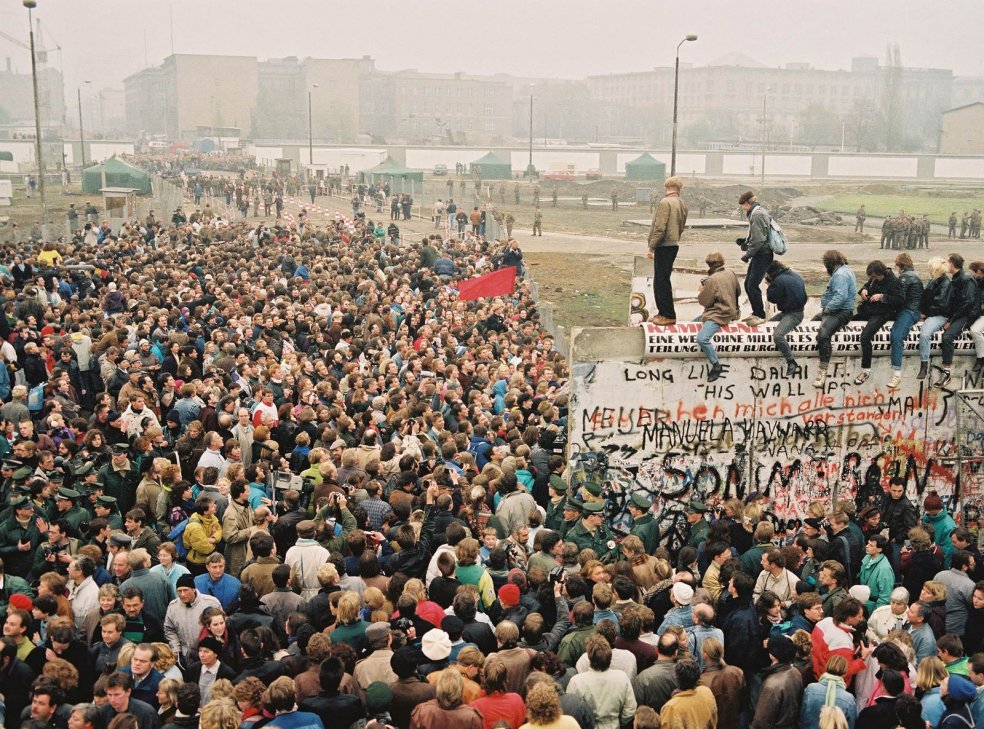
[
  {"x": 746, "y": 258},
  {"x": 740, "y": 242}
]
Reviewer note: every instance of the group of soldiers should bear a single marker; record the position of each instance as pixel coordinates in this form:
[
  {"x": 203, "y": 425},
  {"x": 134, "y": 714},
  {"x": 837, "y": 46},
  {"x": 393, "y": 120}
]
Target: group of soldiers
[
  {"x": 970, "y": 225},
  {"x": 905, "y": 232}
]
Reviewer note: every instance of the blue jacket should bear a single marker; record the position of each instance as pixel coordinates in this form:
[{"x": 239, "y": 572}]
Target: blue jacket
[
  {"x": 842, "y": 290},
  {"x": 933, "y": 707},
  {"x": 942, "y": 525},
  {"x": 787, "y": 292},
  {"x": 296, "y": 720},
  {"x": 879, "y": 576},
  {"x": 813, "y": 699},
  {"x": 226, "y": 590}
]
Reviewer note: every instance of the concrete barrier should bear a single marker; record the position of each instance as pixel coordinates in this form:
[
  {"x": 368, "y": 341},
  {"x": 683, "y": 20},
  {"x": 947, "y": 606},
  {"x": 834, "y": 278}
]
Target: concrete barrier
[{"x": 644, "y": 417}]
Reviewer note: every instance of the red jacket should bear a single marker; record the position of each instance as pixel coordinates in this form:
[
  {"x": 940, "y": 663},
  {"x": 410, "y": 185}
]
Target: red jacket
[{"x": 830, "y": 639}]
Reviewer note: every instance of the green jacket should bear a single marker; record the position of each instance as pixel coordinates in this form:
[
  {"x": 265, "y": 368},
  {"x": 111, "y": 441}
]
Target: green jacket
[
  {"x": 698, "y": 533},
  {"x": 599, "y": 541},
  {"x": 76, "y": 516},
  {"x": 15, "y": 561},
  {"x": 879, "y": 576},
  {"x": 751, "y": 561},
  {"x": 647, "y": 530},
  {"x": 13, "y": 585},
  {"x": 121, "y": 485},
  {"x": 572, "y": 645},
  {"x": 339, "y": 543},
  {"x": 555, "y": 515}
]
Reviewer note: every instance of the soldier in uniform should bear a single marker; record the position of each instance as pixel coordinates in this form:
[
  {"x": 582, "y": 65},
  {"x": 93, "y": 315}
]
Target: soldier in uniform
[
  {"x": 614, "y": 197},
  {"x": 653, "y": 200},
  {"x": 502, "y": 192},
  {"x": 698, "y": 523},
  {"x": 67, "y": 508},
  {"x": 886, "y": 233},
  {"x": 571, "y": 514},
  {"x": 964, "y": 224},
  {"x": 20, "y": 537},
  {"x": 951, "y": 232},
  {"x": 510, "y": 222},
  {"x": 702, "y": 205},
  {"x": 924, "y": 232},
  {"x": 554, "y": 196},
  {"x": 516, "y": 192},
  {"x": 592, "y": 533},
  {"x": 105, "y": 508},
  {"x": 584, "y": 200},
  {"x": 537, "y": 222},
  {"x": 557, "y": 490},
  {"x": 536, "y": 193},
  {"x": 643, "y": 524},
  {"x": 975, "y": 223},
  {"x": 859, "y": 220},
  {"x": 119, "y": 478}
]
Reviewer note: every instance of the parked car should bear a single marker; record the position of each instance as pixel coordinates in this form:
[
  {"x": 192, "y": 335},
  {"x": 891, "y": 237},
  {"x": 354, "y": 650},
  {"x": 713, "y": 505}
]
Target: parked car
[
  {"x": 559, "y": 175},
  {"x": 440, "y": 170},
  {"x": 593, "y": 174}
]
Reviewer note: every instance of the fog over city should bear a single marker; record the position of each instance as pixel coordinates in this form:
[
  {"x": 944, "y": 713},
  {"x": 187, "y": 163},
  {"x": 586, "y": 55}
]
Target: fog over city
[{"x": 104, "y": 40}]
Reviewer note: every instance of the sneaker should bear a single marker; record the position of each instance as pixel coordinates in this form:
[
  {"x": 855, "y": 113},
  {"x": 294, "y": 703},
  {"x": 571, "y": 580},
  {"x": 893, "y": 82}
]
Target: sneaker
[
  {"x": 755, "y": 321},
  {"x": 821, "y": 379},
  {"x": 944, "y": 379},
  {"x": 715, "y": 372},
  {"x": 663, "y": 321},
  {"x": 923, "y": 370},
  {"x": 895, "y": 381},
  {"x": 862, "y": 377},
  {"x": 792, "y": 368}
]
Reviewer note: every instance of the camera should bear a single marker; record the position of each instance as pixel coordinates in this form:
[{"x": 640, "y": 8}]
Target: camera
[
  {"x": 557, "y": 574},
  {"x": 404, "y": 624}
]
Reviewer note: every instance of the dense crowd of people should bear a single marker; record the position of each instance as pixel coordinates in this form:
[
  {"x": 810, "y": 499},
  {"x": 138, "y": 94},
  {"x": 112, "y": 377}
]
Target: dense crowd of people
[{"x": 271, "y": 476}]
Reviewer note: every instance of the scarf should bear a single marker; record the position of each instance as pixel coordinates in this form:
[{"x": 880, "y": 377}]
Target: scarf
[{"x": 833, "y": 682}]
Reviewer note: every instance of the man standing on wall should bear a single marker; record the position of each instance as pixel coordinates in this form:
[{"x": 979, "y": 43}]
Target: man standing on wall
[
  {"x": 758, "y": 255},
  {"x": 664, "y": 244}
]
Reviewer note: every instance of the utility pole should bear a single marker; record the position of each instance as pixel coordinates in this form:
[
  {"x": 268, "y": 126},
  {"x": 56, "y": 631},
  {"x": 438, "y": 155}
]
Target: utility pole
[{"x": 30, "y": 5}]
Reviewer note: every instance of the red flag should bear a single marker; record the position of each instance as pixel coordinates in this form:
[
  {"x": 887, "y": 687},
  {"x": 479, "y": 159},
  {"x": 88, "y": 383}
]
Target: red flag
[{"x": 497, "y": 283}]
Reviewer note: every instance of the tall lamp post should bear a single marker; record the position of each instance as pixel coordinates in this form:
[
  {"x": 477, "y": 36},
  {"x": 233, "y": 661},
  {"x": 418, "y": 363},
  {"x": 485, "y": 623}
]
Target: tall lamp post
[
  {"x": 676, "y": 94},
  {"x": 30, "y": 5},
  {"x": 765, "y": 98},
  {"x": 310, "y": 132},
  {"x": 81, "y": 130},
  {"x": 529, "y": 166}
]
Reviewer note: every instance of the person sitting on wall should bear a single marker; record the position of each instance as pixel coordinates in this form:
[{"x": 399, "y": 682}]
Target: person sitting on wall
[
  {"x": 837, "y": 307},
  {"x": 787, "y": 291},
  {"x": 718, "y": 295}
]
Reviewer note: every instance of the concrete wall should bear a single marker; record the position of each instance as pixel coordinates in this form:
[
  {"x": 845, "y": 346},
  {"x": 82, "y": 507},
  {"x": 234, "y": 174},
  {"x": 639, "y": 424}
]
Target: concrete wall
[{"x": 643, "y": 416}]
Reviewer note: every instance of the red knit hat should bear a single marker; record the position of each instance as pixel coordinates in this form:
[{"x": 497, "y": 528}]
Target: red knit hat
[
  {"x": 932, "y": 502},
  {"x": 21, "y": 602},
  {"x": 509, "y": 595}
]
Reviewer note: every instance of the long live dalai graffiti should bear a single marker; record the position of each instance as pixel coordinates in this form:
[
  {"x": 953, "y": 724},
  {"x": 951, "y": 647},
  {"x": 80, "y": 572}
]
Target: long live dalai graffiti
[{"x": 658, "y": 426}]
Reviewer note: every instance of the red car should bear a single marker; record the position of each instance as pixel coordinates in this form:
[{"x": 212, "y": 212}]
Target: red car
[
  {"x": 559, "y": 175},
  {"x": 593, "y": 174}
]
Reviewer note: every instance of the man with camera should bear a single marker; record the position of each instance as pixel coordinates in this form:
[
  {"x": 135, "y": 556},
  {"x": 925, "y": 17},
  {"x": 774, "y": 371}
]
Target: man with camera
[
  {"x": 757, "y": 254},
  {"x": 57, "y": 553}
]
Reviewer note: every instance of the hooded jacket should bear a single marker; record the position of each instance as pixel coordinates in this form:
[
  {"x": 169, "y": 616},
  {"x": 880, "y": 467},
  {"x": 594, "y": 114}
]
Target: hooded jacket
[{"x": 719, "y": 296}]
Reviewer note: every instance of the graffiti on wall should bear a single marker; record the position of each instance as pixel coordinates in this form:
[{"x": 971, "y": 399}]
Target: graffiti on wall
[{"x": 660, "y": 427}]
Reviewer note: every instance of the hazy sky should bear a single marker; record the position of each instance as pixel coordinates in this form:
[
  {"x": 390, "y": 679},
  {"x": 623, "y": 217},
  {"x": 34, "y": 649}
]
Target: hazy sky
[{"x": 104, "y": 40}]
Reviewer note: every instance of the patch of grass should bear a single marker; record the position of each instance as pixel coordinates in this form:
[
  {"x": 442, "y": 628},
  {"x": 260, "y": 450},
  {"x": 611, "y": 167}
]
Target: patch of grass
[
  {"x": 937, "y": 208},
  {"x": 583, "y": 290}
]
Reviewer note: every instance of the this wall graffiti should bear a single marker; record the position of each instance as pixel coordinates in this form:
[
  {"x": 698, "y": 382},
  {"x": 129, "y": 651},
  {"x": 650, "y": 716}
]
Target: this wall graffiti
[{"x": 661, "y": 427}]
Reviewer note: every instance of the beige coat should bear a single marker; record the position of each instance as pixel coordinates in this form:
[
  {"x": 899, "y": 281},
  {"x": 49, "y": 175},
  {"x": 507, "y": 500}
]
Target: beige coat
[
  {"x": 719, "y": 297},
  {"x": 668, "y": 223}
]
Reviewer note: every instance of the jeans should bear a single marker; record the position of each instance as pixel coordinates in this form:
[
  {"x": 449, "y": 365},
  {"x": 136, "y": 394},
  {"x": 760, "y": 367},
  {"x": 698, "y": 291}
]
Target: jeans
[
  {"x": 787, "y": 322},
  {"x": 950, "y": 337},
  {"x": 930, "y": 326},
  {"x": 875, "y": 322},
  {"x": 904, "y": 322},
  {"x": 977, "y": 334},
  {"x": 830, "y": 324},
  {"x": 663, "y": 258},
  {"x": 753, "y": 281},
  {"x": 707, "y": 331}
]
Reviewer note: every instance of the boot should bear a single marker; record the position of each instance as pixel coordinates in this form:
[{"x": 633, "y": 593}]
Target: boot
[{"x": 923, "y": 370}]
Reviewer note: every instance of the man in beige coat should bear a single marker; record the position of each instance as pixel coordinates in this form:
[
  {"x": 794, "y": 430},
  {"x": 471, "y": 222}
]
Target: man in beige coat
[
  {"x": 664, "y": 243},
  {"x": 718, "y": 295}
]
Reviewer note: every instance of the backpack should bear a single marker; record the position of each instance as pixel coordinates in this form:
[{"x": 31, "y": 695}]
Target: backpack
[
  {"x": 777, "y": 239},
  {"x": 35, "y": 399},
  {"x": 176, "y": 537}
]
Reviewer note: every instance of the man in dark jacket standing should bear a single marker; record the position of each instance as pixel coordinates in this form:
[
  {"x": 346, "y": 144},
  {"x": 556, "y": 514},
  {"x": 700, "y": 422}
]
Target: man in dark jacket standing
[
  {"x": 787, "y": 291},
  {"x": 778, "y": 705},
  {"x": 900, "y": 515},
  {"x": 881, "y": 300},
  {"x": 758, "y": 254},
  {"x": 664, "y": 244}
]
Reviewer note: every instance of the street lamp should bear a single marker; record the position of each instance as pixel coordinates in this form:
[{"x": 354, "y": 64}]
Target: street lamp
[
  {"x": 529, "y": 166},
  {"x": 81, "y": 131},
  {"x": 30, "y": 5},
  {"x": 310, "y": 131},
  {"x": 676, "y": 89},
  {"x": 765, "y": 97}
]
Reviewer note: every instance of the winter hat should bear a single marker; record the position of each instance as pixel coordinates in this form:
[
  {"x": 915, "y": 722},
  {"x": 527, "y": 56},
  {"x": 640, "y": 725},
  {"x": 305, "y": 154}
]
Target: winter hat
[
  {"x": 782, "y": 648},
  {"x": 212, "y": 644},
  {"x": 961, "y": 688},
  {"x": 21, "y": 602},
  {"x": 436, "y": 645},
  {"x": 932, "y": 502},
  {"x": 186, "y": 581},
  {"x": 860, "y": 592},
  {"x": 509, "y": 595},
  {"x": 683, "y": 593},
  {"x": 379, "y": 697}
]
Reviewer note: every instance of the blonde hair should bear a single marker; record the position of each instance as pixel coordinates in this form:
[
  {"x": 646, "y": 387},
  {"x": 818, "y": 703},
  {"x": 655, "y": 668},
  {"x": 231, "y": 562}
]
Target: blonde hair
[
  {"x": 467, "y": 552},
  {"x": 170, "y": 688},
  {"x": 673, "y": 183},
  {"x": 220, "y": 713},
  {"x": 450, "y": 688},
  {"x": 348, "y": 608},
  {"x": 542, "y": 704},
  {"x": 936, "y": 589},
  {"x": 165, "y": 657},
  {"x": 415, "y": 588},
  {"x": 937, "y": 267},
  {"x": 930, "y": 673},
  {"x": 221, "y": 689}
]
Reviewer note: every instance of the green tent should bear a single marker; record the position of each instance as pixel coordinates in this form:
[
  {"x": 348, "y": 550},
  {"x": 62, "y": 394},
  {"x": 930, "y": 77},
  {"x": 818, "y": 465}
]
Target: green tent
[
  {"x": 492, "y": 167},
  {"x": 117, "y": 174},
  {"x": 645, "y": 167},
  {"x": 401, "y": 179}
]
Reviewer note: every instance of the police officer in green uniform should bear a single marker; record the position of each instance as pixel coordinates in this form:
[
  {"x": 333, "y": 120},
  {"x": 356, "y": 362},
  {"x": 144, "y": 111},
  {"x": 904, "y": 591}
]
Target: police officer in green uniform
[
  {"x": 571, "y": 515},
  {"x": 19, "y": 537},
  {"x": 557, "y": 489},
  {"x": 592, "y": 533},
  {"x": 7, "y": 468},
  {"x": 66, "y": 505},
  {"x": 643, "y": 524},
  {"x": 120, "y": 478},
  {"x": 698, "y": 524},
  {"x": 105, "y": 507}
]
